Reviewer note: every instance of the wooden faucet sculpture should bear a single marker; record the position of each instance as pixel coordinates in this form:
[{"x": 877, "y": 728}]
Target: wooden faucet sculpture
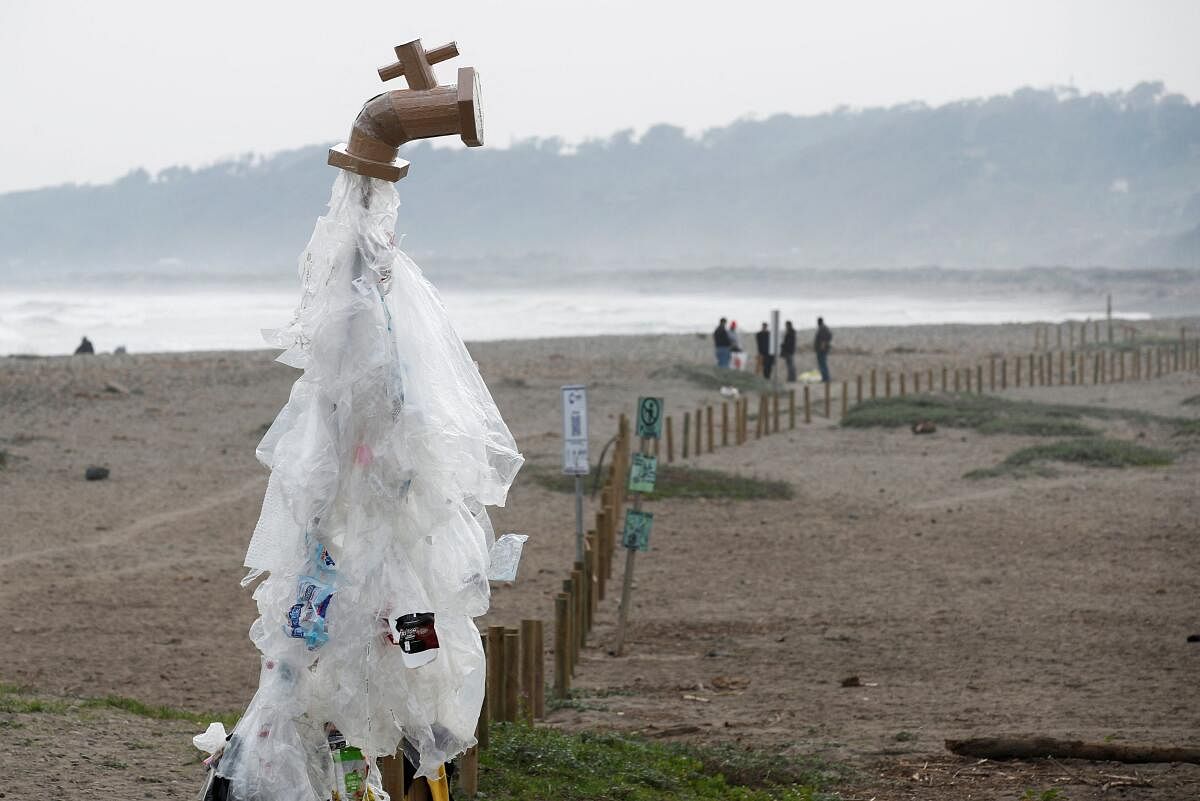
[{"x": 422, "y": 111}]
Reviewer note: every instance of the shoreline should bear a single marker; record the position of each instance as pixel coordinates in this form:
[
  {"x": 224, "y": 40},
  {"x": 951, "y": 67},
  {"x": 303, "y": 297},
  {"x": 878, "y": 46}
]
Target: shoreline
[{"x": 1148, "y": 326}]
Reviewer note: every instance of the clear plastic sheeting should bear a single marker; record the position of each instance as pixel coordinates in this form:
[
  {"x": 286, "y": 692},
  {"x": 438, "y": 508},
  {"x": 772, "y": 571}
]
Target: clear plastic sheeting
[
  {"x": 382, "y": 463},
  {"x": 505, "y": 557}
]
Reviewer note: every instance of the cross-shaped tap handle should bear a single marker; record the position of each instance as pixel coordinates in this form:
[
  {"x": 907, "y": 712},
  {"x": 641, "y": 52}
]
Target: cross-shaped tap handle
[{"x": 416, "y": 64}]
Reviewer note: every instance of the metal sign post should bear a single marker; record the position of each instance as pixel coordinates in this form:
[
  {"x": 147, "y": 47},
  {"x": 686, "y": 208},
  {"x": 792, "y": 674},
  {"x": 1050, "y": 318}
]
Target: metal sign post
[
  {"x": 643, "y": 473},
  {"x": 775, "y": 349},
  {"x": 575, "y": 451}
]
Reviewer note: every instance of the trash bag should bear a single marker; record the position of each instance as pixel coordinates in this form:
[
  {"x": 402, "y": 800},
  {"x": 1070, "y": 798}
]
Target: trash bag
[{"x": 382, "y": 463}]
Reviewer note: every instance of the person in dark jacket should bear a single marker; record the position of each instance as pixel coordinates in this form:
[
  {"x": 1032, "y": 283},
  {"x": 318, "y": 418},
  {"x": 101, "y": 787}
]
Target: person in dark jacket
[
  {"x": 85, "y": 347},
  {"x": 787, "y": 350},
  {"x": 821, "y": 344},
  {"x": 763, "y": 340},
  {"x": 721, "y": 344}
]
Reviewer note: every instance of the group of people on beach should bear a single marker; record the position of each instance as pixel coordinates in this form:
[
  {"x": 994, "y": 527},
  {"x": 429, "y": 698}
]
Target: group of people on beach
[{"x": 729, "y": 353}]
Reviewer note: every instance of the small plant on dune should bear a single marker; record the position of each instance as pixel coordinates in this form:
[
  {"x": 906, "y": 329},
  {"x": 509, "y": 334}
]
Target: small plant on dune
[
  {"x": 1187, "y": 428},
  {"x": 983, "y": 413},
  {"x": 989, "y": 414},
  {"x": 682, "y": 482},
  {"x": 524, "y": 762},
  {"x": 1049, "y": 794},
  {"x": 1091, "y": 451},
  {"x": 15, "y": 699},
  {"x": 713, "y": 377}
]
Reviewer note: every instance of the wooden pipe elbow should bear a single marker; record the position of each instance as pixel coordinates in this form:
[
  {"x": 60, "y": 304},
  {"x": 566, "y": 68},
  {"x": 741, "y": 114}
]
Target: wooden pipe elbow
[{"x": 390, "y": 119}]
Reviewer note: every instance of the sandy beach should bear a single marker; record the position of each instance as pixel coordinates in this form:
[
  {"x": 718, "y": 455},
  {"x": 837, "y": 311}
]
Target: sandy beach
[{"x": 1040, "y": 605}]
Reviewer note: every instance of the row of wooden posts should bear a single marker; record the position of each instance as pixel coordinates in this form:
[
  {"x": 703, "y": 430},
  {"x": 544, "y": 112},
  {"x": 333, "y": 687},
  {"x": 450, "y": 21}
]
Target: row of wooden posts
[
  {"x": 703, "y": 429},
  {"x": 1129, "y": 334},
  {"x": 576, "y": 606},
  {"x": 516, "y": 680}
]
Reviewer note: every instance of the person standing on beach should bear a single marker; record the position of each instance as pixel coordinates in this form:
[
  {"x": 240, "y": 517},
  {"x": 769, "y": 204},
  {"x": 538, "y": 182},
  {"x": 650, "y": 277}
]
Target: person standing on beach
[
  {"x": 722, "y": 344},
  {"x": 735, "y": 347},
  {"x": 821, "y": 345},
  {"x": 763, "y": 340},
  {"x": 85, "y": 347},
  {"x": 787, "y": 349}
]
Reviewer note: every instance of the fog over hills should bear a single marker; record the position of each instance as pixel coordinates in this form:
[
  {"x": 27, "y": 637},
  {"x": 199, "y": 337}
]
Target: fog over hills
[{"x": 1038, "y": 177}]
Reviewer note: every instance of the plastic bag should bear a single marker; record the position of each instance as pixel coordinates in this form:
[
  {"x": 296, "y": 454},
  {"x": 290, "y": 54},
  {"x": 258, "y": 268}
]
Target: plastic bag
[
  {"x": 388, "y": 450},
  {"x": 505, "y": 557}
]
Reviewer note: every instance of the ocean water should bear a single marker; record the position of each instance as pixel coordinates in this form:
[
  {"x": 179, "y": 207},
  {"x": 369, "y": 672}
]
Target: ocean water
[{"x": 46, "y": 321}]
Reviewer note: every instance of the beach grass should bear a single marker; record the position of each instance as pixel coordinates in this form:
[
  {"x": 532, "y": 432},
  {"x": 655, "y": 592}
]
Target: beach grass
[
  {"x": 680, "y": 481},
  {"x": 986, "y": 414},
  {"x": 17, "y": 699},
  {"x": 526, "y": 763},
  {"x": 713, "y": 377},
  {"x": 989, "y": 414},
  {"x": 1090, "y": 451}
]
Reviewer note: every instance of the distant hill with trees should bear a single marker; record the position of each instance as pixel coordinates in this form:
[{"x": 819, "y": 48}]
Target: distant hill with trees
[{"x": 1038, "y": 177}]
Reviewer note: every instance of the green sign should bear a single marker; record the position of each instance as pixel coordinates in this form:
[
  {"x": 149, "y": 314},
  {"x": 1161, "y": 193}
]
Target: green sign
[
  {"x": 650, "y": 418},
  {"x": 642, "y": 473},
  {"x": 637, "y": 530}
]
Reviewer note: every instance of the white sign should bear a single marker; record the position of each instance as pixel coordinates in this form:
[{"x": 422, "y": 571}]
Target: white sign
[{"x": 575, "y": 430}]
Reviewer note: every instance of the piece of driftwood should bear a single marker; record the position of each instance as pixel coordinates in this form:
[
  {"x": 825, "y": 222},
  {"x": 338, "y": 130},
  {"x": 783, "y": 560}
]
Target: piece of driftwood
[{"x": 1045, "y": 747}]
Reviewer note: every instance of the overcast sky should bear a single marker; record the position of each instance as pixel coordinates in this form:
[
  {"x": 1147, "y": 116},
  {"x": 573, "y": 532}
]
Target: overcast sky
[{"x": 92, "y": 89}]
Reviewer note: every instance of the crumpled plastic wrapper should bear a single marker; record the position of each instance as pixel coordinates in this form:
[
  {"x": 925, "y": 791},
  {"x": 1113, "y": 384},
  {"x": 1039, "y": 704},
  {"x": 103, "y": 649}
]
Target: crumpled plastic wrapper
[
  {"x": 505, "y": 557},
  {"x": 382, "y": 463}
]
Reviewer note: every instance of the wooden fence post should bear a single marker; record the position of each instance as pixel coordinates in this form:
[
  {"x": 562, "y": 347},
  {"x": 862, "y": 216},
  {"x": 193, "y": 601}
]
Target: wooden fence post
[
  {"x": 568, "y": 588},
  {"x": 579, "y": 623},
  {"x": 775, "y": 411},
  {"x": 708, "y": 424},
  {"x": 957, "y": 374},
  {"x": 737, "y": 421},
  {"x": 791, "y": 408},
  {"x": 724, "y": 424},
  {"x": 902, "y": 387},
  {"x": 991, "y": 373},
  {"x": 481, "y": 729},
  {"x": 887, "y": 383},
  {"x": 828, "y": 384},
  {"x": 945, "y": 370},
  {"x": 589, "y": 588},
  {"x": 1017, "y": 371},
  {"x": 807, "y": 405},
  {"x": 670, "y": 440},
  {"x": 699, "y": 423},
  {"x": 495, "y": 673},
  {"x": 845, "y": 398},
  {"x": 872, "y": 383},
  {"x": 562, "y": 643},
  {"x": 979, "y": 379},
  {"x": 858, "y": 388},
  {"x": 528, "y": 669},
  {"x": 686, "y": 432},
  {"x": 539, "y": 671},
  {"x": 512, "y": 674},
  {"x": 468, "y": 774},
  {"x": 916, "y": 382}
]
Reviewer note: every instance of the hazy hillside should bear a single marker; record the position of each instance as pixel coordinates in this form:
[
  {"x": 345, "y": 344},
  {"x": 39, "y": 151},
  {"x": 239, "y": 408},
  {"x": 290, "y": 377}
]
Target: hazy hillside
[{"x": 1037, "y": 177}]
